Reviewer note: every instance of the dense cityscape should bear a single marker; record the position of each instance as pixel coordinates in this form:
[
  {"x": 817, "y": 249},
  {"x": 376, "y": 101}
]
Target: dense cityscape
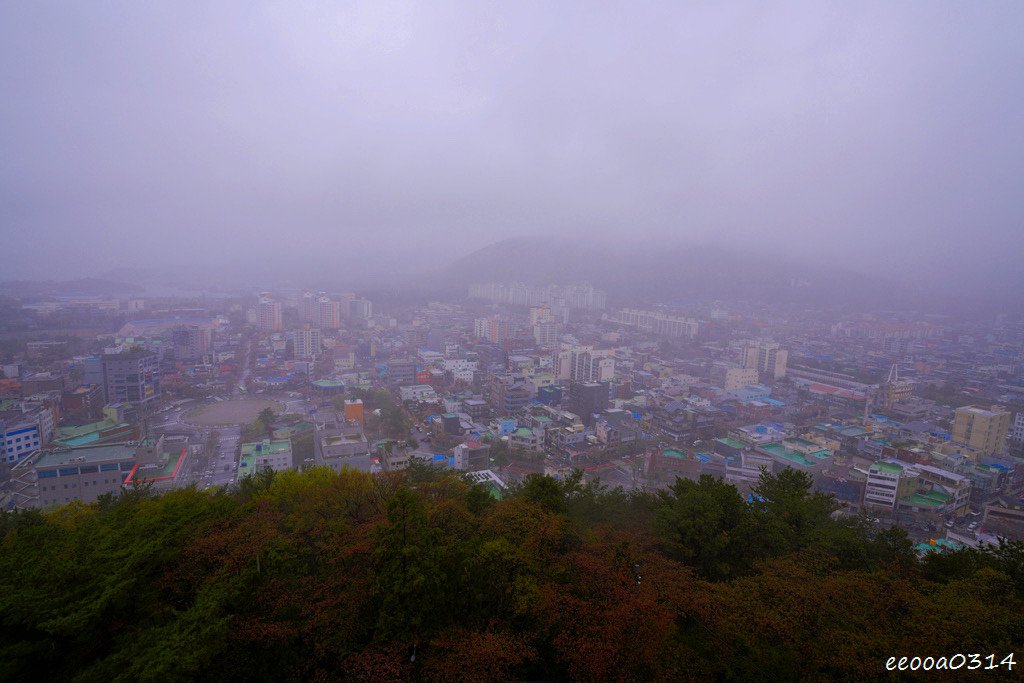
[{"x": 913, "y": 420}]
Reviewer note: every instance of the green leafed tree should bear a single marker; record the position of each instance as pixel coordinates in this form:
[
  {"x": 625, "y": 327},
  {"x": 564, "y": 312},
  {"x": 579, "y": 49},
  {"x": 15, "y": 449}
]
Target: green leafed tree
[{"x": 408, "y": 577}]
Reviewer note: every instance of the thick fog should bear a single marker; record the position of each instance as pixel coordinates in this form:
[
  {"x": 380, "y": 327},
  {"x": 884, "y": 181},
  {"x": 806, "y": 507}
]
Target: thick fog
[{"x": 880, "y": 136}]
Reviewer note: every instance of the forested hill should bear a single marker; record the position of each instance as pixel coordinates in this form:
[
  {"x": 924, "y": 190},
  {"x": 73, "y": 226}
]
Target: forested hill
[{"x": 316, "y": 576}]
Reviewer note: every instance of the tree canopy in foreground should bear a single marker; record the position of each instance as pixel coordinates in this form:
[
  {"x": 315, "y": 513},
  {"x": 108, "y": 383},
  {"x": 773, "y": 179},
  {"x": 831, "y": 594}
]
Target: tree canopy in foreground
[{"x": 422, "y": 576}]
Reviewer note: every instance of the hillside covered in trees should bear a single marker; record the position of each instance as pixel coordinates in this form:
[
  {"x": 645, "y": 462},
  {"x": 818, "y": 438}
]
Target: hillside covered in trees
[{"x": 315, "y": 576}]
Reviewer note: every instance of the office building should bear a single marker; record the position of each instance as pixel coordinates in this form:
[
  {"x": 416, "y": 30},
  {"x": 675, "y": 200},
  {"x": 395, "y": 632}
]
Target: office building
[
  {"x": 586, "y": 399},
  {"x": 61, "y": 476},
  {"x": 401, "y": 372},
  {"x": 85, "y": 473},
  {"x": 131, "y": 377},
  {"x": 983, "y": 430}
]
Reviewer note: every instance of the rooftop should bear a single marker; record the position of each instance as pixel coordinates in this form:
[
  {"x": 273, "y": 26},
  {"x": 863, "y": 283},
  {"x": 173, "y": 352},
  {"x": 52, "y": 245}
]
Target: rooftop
[
  {"x": 166, "y": 469},
  {"x": 342, "y": 438},
  {"x": 265, "y": 447},
  {"x": 928, "y": 499},
  {"x": 780, "y": 451},
  {"x": 115, "y": 451}
]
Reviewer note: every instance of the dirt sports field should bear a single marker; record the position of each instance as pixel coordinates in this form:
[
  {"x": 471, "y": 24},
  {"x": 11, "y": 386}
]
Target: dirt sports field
[{"x": 242, "y": 411}]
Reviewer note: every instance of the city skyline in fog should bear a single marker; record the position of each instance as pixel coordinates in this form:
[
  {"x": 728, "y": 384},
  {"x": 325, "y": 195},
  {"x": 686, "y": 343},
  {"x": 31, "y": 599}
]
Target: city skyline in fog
[{"x": 882, "y": 138}]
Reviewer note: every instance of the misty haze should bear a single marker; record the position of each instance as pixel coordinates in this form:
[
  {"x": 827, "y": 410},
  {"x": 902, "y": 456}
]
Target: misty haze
[{"x": 396, "y": 341}]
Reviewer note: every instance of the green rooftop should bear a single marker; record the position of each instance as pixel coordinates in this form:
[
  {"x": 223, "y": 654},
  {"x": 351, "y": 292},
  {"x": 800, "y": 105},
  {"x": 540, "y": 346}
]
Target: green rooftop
[
  {"x": 734, "y": 443},
  {"x": 163, "y": 470},
  {"x": 888, "y": 467},
  {"x": 266, "y": 446},
  {"x": 246, "y": 465},
  {"x": 117, "y": 451},
  {"x": 85, "y": 429},
  {"x": 778, "y": 450},
  {"x": 293, "y": 430},
  {"x": 940, "y": 544},
  {"x": 928, "y": 499}
]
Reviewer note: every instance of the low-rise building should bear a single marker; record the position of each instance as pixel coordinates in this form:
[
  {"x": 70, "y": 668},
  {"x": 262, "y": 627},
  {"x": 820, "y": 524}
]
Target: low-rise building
[
  {"x": 61, "y": 475},
  {"x": 341, "y": 443},
  {"x": 472, "y": 456},
  {"x": 265, "y": 454},
  {"x": 527, "y": 438},
  {"x": 421, "y": 393},
  {"x": 158, "y": 463}
]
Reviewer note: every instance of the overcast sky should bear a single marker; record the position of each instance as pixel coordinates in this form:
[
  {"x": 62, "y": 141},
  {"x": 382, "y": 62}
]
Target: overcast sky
[{"x": 874, "y": 133}]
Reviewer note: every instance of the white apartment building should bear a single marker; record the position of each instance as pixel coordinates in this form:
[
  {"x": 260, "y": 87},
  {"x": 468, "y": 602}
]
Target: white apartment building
[
  {"x": 657, "y": 322},
  {"x": 883, "y": 483},
  {"x": 268, "y": 314},
  {"x": 767, "y": 358},
  {"x": 307, "y": 342},
  {"x": 584, "y": 364},
  {"x": 423, "y": 393}
]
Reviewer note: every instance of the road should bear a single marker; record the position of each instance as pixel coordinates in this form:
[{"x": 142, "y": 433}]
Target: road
[{"x": 246, "y": 370}]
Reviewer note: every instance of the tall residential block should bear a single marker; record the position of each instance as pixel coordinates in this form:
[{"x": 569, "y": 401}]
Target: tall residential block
[
  {"x": 328, "y": 313},
  {"x": 983, "y": 430},
  {"x": 268, "y": 314},
  {"x": 767, "y": 358},
  {"x": 131, "y": 377},
  {"x": 306, "y": 342}
]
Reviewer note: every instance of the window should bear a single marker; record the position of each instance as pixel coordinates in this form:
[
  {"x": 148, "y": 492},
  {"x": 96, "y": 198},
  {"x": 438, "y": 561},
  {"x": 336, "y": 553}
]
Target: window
[
  {"x": 108, "y": 467},
  {"x": 44, "y": 474},
  {"x": 68, "y": 471}
]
